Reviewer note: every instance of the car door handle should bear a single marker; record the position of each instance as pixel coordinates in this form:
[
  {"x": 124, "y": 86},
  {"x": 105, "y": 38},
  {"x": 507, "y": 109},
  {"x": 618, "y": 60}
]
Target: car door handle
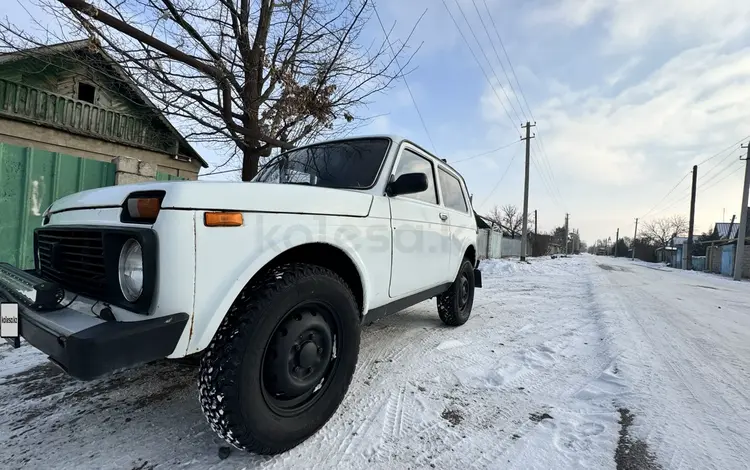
[{"x": 443, "y": 216}]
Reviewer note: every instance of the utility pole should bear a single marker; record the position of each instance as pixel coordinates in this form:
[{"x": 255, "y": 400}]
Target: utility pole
[
  {"x": 742, "y": 232},
  {"x": 535, "y": 234},
  {"x": 524, "y": 230},
  {"x": 617, "y": 238},
  {"x": 635, "y": 235},
  {"x": 566, "y": 234},
  {"x": 689, "y": 258}
]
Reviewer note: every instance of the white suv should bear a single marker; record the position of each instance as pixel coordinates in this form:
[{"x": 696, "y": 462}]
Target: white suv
[{"x": 270, "y": 283}]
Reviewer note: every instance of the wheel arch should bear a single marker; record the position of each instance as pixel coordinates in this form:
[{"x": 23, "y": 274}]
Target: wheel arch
[
  {"x": 471, "y": 254},
  {"x": 343, "y": 260}
]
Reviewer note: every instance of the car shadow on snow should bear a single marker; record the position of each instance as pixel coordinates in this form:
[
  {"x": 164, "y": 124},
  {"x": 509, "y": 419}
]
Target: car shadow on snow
[
  {"x": 141, "y": 418},
  {"x": 147, "y": 417}
]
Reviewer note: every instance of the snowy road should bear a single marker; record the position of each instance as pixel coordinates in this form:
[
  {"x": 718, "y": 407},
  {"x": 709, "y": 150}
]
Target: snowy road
[{"x": 540, "y": 377}]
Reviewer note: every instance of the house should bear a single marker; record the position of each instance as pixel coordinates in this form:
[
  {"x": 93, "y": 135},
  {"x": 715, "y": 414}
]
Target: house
[
  {"x": 74, "y": 99},
  {"x": 670, "y": 254},
  {"x": 71, "y": 120},
  {"x": 728, "y": 230}
]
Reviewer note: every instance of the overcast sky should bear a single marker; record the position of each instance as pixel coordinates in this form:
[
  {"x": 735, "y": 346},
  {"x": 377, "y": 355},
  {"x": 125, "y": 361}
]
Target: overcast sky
[{"x": 627, "y": 96}]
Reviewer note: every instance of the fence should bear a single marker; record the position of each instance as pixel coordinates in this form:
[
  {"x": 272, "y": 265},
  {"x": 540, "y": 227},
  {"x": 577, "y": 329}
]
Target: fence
[
  {"x": 30, "y": 180},
  {"x": 492, "y": 244},
  {"x": 699, "y": 263}
]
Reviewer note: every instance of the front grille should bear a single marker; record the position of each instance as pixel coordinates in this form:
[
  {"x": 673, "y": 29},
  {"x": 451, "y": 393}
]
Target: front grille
[{"x": 73, "y": 258}]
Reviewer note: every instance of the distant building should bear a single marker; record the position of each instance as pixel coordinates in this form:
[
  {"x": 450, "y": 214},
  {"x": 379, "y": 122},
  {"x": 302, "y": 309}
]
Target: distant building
[{"x": 728, "y": 230}]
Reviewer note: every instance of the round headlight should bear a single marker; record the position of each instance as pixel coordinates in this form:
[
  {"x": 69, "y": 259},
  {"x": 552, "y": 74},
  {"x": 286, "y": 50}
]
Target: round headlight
[{"x": 130, "y": 270}]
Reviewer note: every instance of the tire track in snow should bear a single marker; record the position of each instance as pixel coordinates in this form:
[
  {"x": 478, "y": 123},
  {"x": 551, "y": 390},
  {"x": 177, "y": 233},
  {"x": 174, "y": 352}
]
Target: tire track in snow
[{"x": 669, "y": 352}]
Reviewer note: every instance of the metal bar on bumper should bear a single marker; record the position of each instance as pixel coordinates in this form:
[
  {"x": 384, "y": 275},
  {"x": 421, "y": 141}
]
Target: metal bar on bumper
[{"x": 83, "y": 344}]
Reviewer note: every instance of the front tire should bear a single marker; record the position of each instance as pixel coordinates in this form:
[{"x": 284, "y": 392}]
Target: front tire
[
  {"x": 454, "y": 305},
  {"x": 282, "y": 360}
]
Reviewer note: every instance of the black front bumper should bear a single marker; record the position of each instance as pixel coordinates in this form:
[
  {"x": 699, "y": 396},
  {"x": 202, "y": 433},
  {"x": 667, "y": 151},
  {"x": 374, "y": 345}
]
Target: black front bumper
[{"x": 86, "y": 346}]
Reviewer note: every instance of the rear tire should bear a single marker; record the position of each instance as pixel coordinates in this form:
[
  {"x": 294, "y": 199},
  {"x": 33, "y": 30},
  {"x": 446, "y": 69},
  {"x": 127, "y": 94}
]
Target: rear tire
[
  {"x": 282, "y": 360},
  {"x": 454, "y": 305}
]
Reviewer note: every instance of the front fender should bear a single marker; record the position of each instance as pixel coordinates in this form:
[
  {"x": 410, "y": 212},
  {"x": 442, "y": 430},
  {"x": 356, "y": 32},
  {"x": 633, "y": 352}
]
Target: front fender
[{"x": 228, "y": 257}]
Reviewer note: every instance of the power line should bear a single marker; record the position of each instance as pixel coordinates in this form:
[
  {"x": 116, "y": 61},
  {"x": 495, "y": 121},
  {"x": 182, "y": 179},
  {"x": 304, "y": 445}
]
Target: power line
[
  {"x": 731, "y": 173},
  {"x": 492, "y": 43},
  {"x": 512, "y": 69},
  {"x": 726, "y": 149},
  {"x": 704, "y": 187},
  {"x": 546, "y": 186},
  {"x": 706, "y": 179},
  {"x": 481, "y": 49},
  {"x": 406, "y": 82},
  {"x": 500, "y": 180},
  {"x": 486, "y": 76},
  {"x": 476, "y": 59},
  {"x": 667, "y": 195},
  {"x": 713, "y": 178},
  {"x": 717, "y": 165},
  {"x": 550, "y": 176},
  {"x": 540, "y": 144},
  {"x": 220, "y": 172},
  {"x": 487, "y": 153}
]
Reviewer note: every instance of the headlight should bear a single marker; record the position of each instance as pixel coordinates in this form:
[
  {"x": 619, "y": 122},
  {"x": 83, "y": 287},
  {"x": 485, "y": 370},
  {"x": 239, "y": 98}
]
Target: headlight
[{"x": 130, "y": 270}]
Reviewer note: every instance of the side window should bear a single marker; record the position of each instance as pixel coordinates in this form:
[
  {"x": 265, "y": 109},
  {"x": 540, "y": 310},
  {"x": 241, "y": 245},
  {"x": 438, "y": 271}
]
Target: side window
[
  {"x": 453, "y": 196},
  {"x": 410, "y": 162}
]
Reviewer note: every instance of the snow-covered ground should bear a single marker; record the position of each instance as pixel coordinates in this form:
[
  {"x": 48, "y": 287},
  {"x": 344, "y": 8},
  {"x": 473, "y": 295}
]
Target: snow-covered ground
[{"x": 566, "y": 363}]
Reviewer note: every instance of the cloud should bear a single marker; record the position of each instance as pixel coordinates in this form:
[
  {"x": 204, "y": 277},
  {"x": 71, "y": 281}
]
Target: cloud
[
  {"x": 691, "y": 105},
  {"x": 622, "y": 72},
  {"x": 631, "y": 24}
]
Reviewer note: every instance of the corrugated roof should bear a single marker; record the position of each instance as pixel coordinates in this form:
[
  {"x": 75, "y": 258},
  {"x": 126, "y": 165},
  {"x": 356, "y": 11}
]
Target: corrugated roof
[
  {"x": 723, "y": 229},
  {"x": 679, "y": 240}
]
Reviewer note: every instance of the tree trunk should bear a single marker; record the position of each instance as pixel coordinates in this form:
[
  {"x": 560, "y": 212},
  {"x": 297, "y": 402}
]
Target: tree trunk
[{"x": 250, "y": 158}]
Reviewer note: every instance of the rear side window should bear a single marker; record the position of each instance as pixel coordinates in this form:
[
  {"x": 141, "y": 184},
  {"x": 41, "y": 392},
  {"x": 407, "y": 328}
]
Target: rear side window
[{"x": 453, "y": 195}]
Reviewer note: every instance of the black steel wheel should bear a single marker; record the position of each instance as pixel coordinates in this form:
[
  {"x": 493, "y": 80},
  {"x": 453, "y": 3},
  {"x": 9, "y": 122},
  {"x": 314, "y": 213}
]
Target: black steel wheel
[
  {"x": 454, "y": 305},
  {"x": 300, "y": 358},
  {"x": 282, "y": 360}
]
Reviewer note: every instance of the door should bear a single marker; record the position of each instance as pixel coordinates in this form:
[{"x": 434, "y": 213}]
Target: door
[
  {"x": 727, "y": 253},
  {"x": 460, "y": 219},
  {"x": 421, "y": 248}
]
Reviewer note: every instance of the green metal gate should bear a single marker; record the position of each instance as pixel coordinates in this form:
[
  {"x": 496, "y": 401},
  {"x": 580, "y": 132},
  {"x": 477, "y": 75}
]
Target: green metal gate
[{"x": 31, "y": 180}]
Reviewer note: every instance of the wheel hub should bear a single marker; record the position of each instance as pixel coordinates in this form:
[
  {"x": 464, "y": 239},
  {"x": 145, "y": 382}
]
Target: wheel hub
[
  {"x": 299, "y": 355},
  {"x": 463, "y": 294}
]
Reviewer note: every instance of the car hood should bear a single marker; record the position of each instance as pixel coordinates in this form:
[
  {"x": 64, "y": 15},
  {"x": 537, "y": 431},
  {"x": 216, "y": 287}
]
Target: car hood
[{"x": 238, "y": 196}]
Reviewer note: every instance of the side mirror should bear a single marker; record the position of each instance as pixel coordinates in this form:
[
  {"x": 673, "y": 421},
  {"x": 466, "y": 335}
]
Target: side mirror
[{"x": 408, "y": 183}]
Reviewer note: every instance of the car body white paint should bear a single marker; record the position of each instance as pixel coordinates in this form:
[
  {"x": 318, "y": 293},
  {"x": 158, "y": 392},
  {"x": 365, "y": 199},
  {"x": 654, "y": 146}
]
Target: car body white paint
[{"x": 201, "y": 270}]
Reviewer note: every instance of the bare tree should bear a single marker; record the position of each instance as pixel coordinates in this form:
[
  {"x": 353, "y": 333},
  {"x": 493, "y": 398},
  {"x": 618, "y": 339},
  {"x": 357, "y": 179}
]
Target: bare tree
[
  {"x": 512, "y": 219},
  {"x": 662, "y": 230},
  {"x": 255, "y": 75},
  {"x": 495, "y": 217}
]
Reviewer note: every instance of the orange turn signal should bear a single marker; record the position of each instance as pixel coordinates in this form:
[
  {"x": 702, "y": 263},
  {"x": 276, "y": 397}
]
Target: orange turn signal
[
  {"x": 144, "y": 207},
  {"x": 222, "y": 219}
]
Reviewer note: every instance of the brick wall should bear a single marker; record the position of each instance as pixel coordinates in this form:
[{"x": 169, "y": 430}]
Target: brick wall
[
  {"x": 129, "y": 170},
  {"x": 713, "y": 259}
]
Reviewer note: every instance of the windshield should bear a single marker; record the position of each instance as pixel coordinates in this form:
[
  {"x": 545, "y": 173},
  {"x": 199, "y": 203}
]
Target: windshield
[{"x": 350, "y": 164}]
